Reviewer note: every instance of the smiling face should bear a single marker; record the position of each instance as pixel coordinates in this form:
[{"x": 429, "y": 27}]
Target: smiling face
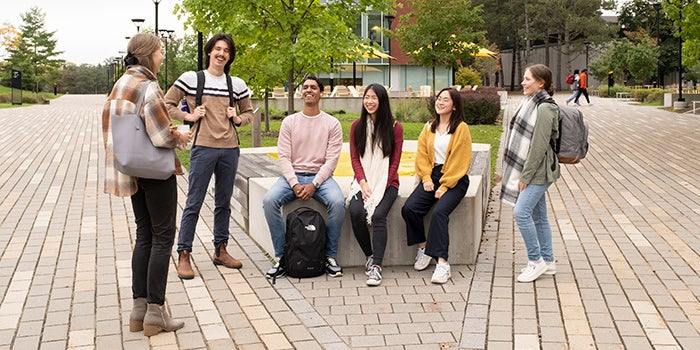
[
  {"x": 444, "y": 104},
  {"x": 310, "y": 92},
  {"x": 371, "y": 102},
  {"x": 220, "y": 54},
  {"x": 530, "y": 84}
]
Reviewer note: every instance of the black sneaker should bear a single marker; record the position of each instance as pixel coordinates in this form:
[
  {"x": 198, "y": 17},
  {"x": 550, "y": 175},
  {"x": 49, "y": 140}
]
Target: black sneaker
[
  {"x": 275, "y": 271},
  {"x": 332, "y": 267}
]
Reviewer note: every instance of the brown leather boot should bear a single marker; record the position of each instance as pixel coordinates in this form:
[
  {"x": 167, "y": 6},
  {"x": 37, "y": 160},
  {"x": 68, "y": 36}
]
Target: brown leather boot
[
  {"x": 138, "y": 312},
  {"x": 184, "y": 266},
  {"x": 157, "y": 320},
  {"x": 222, "y": 257}
]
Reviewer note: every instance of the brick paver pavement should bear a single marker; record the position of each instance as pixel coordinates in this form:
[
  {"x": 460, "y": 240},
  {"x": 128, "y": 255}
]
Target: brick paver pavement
[{"x": 626, "y": 225}]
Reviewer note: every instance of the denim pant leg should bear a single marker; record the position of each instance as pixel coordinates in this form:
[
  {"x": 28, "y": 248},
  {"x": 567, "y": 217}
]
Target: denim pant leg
[
  {"x": 528, "y": 200},
  {"x": 224, "y": 175},
  {"x": 274, "y": 198},
  {"x": 202, "y": 162},
  {"x": 330, "y": 194},
  {"x": 438, "y": 244},
  {"x": 154, "y": 206},
  {"x": 544, "y": 231},
  {"x": 573, "y": 96}
]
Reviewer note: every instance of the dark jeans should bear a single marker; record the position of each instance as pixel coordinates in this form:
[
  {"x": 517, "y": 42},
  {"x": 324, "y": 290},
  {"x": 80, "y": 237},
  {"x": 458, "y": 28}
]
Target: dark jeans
[
  {"x": 358, "y": 218},
  {"x": 154, "y": 206},
  {"x": 205, "y": 161},
  {"x": 417, "y": 206},
  {"x": 583, "y": 91}
]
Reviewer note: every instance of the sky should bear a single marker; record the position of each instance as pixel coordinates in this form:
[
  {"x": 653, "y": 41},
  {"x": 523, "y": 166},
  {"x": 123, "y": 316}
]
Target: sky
[{"x": 90, "y": 31}]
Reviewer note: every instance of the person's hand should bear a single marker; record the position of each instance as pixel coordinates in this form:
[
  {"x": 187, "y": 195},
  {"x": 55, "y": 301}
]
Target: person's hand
[
  {"x": 521, "y": 186},
  {"x": 438, "y": 194},
  {"x": 428, "y": 186},
  {"x": 304, "y": 192},
  {"x": 196, "y": 114},
  {"x": 185, "y": 137},
  {"x": 366, "y": 190},
  {"x": 231, "y": 113}
]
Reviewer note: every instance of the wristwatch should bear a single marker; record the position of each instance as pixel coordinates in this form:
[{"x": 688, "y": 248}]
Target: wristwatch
[{"x": 316, "y": 184}]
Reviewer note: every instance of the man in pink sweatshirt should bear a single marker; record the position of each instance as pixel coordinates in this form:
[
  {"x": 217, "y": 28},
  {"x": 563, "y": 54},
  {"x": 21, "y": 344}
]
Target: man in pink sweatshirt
[{"x": 309, "y": 146}]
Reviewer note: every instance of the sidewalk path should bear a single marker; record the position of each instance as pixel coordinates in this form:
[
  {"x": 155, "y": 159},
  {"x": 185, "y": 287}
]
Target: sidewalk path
[{"x": 626, "y": 225}]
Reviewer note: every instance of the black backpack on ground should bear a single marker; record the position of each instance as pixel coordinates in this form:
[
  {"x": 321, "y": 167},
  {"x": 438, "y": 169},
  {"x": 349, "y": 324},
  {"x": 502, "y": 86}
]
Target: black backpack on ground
[{"x": 305, "y": 246}]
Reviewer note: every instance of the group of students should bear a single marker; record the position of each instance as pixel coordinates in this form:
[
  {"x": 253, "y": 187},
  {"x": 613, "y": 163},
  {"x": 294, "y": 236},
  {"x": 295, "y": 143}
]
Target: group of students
[{"x": 309, "y": 146}]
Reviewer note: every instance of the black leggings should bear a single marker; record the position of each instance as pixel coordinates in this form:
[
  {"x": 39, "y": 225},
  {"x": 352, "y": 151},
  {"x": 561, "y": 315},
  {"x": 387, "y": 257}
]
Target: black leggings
[
  {"x": 358, "y": 218},
  {"x": 583, "y": 91},
  {"x": 154, "y": 205}
]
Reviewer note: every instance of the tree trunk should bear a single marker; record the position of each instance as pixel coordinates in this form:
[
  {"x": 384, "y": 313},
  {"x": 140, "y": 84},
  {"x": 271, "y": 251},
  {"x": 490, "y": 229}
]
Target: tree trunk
[{"x": 290, "y": 92}]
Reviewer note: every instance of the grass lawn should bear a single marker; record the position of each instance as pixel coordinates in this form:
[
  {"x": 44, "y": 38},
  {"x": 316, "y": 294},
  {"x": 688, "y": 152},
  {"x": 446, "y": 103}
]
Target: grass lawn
[
  {"x": 8, "y": 91},
  {"x": 489, "y": 134}
]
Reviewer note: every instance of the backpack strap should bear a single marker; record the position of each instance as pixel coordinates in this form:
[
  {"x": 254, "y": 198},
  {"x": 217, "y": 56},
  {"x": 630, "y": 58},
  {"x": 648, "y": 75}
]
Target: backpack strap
[
  {"x": 198, "y": 101},
  {"x": 232, "y": 103},
  {"x": 555, "y": 144}
]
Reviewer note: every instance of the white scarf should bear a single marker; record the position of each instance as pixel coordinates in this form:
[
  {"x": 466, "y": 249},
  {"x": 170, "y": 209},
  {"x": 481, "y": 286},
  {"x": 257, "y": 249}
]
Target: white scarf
[{"x": 376, "y": 168}]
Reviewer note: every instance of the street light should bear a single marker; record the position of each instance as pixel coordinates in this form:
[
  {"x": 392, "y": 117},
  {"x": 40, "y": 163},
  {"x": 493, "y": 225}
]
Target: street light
[
  {"x": 588, "y": 45},
  {"x": 138, "y": 22},
  {"x": 680, "y": 56},
  {"x": 166, "y": 33},
  {"x": 389, "y": 19},
  {"x": 659, "y": 78},
  {"x": 156, "y": 2}
]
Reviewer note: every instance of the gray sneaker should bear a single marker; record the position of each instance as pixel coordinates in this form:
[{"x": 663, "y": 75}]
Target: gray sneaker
[
  {"x": 332, "y": 267},
  {"x": 375, "y": 276},
  {"x": 422, "y": 260},
  {"x": 275, "y": 271}
]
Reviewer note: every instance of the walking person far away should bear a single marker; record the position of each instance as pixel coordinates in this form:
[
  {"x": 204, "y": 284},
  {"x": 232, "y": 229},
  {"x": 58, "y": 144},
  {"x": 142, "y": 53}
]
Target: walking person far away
[
  {"x": 530, "y": 166},
  {"x": 215, "y": 150},
  {"x": 583, "y": 87},
  {"x": 309, "y": 146},
  {"x": 154, "y": 201},
  {"x": 376, "y": 140}
]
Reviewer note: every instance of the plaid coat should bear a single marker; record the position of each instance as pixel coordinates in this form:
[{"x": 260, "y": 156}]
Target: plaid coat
[{"x": 123, "y": 99}]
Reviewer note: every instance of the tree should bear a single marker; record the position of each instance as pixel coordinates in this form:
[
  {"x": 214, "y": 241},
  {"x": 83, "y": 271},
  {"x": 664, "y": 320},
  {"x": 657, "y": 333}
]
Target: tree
[
  {"x": 446, "y": 41},
  {"x": 36, "y": 54},
  {"x": 9, "y": 38},
  {"x": 686, "y": 13},
  {"x": 628, "y": 60},
  {"x": 283, "y": 40}
]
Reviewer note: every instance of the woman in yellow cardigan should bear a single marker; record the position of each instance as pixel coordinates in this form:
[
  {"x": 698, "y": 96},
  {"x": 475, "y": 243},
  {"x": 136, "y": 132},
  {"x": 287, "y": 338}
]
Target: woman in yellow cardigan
[{"x": 442, "y": 163}]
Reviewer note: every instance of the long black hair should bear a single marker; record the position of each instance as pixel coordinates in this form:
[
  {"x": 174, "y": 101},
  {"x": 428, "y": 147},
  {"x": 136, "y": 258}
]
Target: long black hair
[
  {"x": 383, "y": 124},
  {"x": 210, "y": 46},
  {"x": 457, "y": 111}
]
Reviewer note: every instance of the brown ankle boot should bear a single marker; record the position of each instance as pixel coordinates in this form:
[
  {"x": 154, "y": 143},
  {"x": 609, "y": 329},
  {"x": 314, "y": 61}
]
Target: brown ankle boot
[
  {"x": 157, "y": 320},
  {"x": 138, "y": 312},
  {"x": 184, "y": 266},
  {"x": 222, "y": 257}
]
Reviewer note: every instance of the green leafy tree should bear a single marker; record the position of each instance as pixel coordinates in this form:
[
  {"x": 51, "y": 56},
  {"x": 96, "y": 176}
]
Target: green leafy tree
[
  {"x": 686, "y": 13},
  {"x": 628, "y": 60},
  {"x": 444, "y": 42},
  {"x": 36, "y": 54},
  {"x": 283, "y": 40}
]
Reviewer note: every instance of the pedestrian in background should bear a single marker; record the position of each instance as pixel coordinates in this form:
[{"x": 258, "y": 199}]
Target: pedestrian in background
[{"x": 574, "y": 87}]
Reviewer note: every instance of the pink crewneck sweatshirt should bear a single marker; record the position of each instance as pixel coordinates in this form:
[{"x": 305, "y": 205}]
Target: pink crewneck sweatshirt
[{"x": 309, "y": 144}]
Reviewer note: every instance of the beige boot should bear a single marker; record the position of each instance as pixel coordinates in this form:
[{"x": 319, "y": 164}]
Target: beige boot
[
  {"x": 157, "y": 320},
  {"x": 137, "y": 314},
  {"x": 222, "y": 257},
  {"x": 184, "y": 266}
]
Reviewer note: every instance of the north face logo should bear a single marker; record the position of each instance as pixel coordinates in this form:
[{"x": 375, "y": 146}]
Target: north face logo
[{"x": 310, "y": 227}]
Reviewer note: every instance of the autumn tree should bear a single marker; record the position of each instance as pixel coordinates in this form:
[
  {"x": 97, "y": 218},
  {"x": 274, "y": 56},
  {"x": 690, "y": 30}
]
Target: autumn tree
[
  {"x": 36, "y": 54},
  {"x": 281, "y": 41},
  {"x": 440, "y": 33}
]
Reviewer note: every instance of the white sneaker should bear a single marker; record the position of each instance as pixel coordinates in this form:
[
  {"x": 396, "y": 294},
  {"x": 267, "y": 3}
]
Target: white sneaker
[
  {"x": 442, "y": 273},
  {"x": 551, "y": 268},
  {"x": 368, "y": 264},
  {"x": 375, "y": 276},
  {"x": 422, "y": 260},
  {"x": 533, "y": 270}
]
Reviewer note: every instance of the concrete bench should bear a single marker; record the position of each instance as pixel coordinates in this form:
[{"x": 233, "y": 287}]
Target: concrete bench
[
  {"x": 466, "y": 222},
  {"x": 622, "y": 94}
]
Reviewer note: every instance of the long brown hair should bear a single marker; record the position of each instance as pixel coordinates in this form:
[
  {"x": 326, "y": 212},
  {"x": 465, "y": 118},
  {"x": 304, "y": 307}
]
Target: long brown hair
[
  {"x": 383, "y": 124},
  {"x": 141, "y": 48},
  {"x": 457, "y": 113}
]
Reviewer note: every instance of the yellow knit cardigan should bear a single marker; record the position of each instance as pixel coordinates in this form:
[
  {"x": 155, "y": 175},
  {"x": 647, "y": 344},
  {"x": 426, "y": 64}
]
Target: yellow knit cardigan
[{"x": 457, "y": 159}]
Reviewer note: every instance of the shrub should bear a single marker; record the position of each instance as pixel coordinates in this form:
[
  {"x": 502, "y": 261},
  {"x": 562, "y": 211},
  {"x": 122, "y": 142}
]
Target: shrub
[
  {"x": 481, "y": 106},
  {"x": 467, "y": 76},
  {"x": 5, "y": 98},
  {"x": 415, "y": 110}
]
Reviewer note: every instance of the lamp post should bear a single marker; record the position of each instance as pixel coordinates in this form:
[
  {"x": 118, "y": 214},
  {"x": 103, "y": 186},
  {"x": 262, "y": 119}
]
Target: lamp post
[
  {"x": 588, "y": 45},
  {"x": 389, "y": 19},
  {"x": 680, "y": 56},
  {"x": 138, "y": 22},
  {"x": 166, "y": 33},
  {"x": 156, "y": 2},
  {"x": 659, "y": 78}
]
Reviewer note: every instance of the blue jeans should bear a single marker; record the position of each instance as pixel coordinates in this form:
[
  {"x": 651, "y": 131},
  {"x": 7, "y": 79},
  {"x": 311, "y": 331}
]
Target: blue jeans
[
  {"x": 573, "y": 96},
  {"x": 205, "y": 161},
  {"x": 329, "y": 194},
  {"x": 530, "y": 214}
]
